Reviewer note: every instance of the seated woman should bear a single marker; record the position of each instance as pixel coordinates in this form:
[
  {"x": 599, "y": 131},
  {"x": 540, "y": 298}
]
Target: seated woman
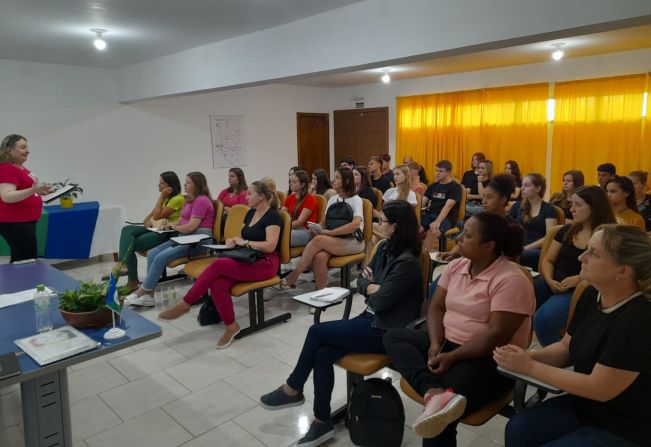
[
  {"x": 401, "y": 191},
  {"x": 197, "y": 217},
  {"x": 135, "y": 238},
  {"x": 571, "y": 181},
  {"x": 321, "y": 184},
  {"x": 473, "y": 203},
  {"x": 261, "y": 231},
  {"x": 336, "y": 242},
  {"x": 483, "y": 300},
  {"x": 415, "y": 182},
  {"x": 270, "y": 183},
  {"x": 497, "y": 194},
  {"x": 608, "y": 344},
  {"x": 302, "y": 207},
  {"x": 560, "y": 267},
  {"x": 469, "y": 180},
  {"x": 535, "y": 215},
  {"x": 392, "y": 285},
  {"x": 621, "y": 194},
  {"x": 511, "y": 167},
  {"x": 236, "y": 191},
  {"x": 363, "y": 185},
  {"x": 643, "y": 200}
]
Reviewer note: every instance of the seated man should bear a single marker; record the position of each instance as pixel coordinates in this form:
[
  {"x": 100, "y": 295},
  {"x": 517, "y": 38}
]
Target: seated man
[
  {"x": 442, "y": 201},
  {"x": 347, "y": 162},
  {"x": 378, "y": 180},
  {"x": 605, "y": 173}
]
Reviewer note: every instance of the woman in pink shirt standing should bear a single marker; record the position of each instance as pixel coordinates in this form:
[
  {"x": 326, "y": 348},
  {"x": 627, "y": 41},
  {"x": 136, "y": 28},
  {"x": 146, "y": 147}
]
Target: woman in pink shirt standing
[
  {"x": 482, "y": 301},
  {"x": 236, "y": 192},
  {"x": 20, "y": 204}
]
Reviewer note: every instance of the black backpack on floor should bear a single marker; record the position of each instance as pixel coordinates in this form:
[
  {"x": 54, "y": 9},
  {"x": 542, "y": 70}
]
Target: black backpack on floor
[{"x": 376, "y": 416}]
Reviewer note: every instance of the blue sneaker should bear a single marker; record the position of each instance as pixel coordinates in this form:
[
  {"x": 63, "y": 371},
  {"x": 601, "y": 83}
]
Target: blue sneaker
[
  {"x": 278, "y": 399},
  {"x": 318, "y": 433}
]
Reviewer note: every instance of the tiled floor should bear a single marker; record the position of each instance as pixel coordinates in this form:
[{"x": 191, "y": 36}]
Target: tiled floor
[{"x": 179, "y": 390}]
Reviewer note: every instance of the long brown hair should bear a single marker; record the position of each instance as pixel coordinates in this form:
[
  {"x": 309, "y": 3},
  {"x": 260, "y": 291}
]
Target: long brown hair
[
  {"x": 538, "y": 181},
  {"x": 600, "y": 210},
  {"x": 241, "y": 181},
  {"x": 404, "y": 189},
  {"x": 303, "y": 178},
  {"x": 200, "y": 184},
  {"x": 563, "y": 199}
]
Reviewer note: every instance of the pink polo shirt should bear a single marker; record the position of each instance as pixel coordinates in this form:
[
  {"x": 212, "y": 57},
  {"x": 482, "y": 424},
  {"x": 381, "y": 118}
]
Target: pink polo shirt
[{"x": 470, "y": 301}]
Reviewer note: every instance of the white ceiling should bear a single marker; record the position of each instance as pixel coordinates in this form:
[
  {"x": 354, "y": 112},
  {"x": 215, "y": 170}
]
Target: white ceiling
[
  {"x": 576, "y": 46},
  {"x": 57, "y": 31}
]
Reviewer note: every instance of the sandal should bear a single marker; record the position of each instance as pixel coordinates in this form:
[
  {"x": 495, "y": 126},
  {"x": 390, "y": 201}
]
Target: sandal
[{"x": 284, "y": 286}]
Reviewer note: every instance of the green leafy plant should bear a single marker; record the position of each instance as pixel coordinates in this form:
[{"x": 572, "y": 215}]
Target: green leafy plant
[
  {"x": 89, "y": 297},
  {"x": 73, "y": 193}
]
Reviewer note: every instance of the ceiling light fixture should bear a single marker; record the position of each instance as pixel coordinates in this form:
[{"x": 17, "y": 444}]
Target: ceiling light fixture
[
  {"x": 99, "y": 43},
  {"x": 386, "y": 78},
  {"x": 558, "y": 53}
]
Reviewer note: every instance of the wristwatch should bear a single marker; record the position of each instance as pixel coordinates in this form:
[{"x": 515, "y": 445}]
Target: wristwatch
[{"x": 247, "y": 244}]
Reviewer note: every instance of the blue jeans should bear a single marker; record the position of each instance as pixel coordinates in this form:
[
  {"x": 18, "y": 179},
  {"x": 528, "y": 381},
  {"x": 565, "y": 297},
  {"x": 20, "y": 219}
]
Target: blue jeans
[
  {"x": 326, "y": 343},
  {"x": 427, "y": 219},
  {"x": 472, "y": 208},
  {"x": 300, "y": 237},
  {"x": 159, "y": 257},
  {"x": 530, "y": 257},
  {"x": 552, "y": 312},
  {"x": 553, "y": 423}
]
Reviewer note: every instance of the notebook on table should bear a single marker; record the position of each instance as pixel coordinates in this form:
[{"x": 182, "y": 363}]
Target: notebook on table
[{"x": 57, "y": 344}]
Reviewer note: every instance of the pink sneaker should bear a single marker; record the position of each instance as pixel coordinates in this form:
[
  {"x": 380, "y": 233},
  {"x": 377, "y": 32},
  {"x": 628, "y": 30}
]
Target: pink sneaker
[{"x": 440, "y": 410}]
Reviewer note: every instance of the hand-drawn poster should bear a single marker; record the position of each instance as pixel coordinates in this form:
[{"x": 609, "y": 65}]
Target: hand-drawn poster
[{"x": 227, "y": 141}]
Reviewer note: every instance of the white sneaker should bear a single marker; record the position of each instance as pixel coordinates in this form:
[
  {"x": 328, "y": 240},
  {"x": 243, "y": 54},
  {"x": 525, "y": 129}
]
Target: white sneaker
[{"x": 143, "y": 301}]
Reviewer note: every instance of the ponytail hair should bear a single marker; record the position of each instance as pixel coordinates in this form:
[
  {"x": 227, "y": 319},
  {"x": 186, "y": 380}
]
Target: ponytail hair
[
  {"x": 631, "y": 246},
  {"x": 508, "y": 236},
  {"x": 263, "y": 188}
]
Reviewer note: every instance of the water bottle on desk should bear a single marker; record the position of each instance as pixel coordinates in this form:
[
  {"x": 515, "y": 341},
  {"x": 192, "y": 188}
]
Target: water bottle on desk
[{"x": 42, "y": 309}]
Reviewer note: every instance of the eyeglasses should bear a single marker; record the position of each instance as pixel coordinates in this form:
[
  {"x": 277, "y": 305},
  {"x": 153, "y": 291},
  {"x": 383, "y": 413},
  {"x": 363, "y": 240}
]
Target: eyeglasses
[{"x": 385, "y": 221}]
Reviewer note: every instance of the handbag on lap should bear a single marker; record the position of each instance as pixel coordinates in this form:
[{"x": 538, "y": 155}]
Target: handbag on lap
[{"x": 242, "y": 254}]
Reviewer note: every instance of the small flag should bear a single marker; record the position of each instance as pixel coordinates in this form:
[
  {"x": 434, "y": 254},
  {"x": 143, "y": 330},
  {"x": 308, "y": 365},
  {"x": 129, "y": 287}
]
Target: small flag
[{"x": 112, "y": 295}]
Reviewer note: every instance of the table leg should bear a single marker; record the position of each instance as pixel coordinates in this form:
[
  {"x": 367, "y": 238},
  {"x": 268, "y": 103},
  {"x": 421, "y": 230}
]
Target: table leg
[{"x": 46, "y": 410}]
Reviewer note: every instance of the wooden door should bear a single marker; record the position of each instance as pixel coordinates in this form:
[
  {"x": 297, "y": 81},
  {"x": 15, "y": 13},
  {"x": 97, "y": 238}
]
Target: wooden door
[
  {"x": 313, "y": 141},
  {"x": 360, "y": 133}
]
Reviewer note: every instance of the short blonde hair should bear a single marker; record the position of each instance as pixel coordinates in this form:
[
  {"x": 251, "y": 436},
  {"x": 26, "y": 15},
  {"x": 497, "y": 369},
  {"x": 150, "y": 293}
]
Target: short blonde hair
[{"x": 631, "y": 246}]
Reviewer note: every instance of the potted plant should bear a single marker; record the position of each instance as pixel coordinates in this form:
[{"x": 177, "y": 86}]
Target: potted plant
[
  {"x": 86, "y": 306},
  {"x": 66, "y": 199}
]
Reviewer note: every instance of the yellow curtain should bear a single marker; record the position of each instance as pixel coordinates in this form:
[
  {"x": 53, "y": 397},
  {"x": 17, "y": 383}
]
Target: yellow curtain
[
  {"x": 597, "y": 121},
  {"x": 645, "y": 162},
  {"x": 504, "y": 123}
]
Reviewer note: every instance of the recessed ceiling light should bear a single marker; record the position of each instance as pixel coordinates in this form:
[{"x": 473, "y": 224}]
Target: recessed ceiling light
[
  {"x": 99, "y": 42},
  {"x": 558, "y": 53}
]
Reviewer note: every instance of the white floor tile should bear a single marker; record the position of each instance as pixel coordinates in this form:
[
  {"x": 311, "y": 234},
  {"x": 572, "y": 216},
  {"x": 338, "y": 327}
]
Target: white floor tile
[
  {"x": 255, "y": 349},
  {"x": 276, "y": 428},
  {"x": 248, "y": 382},
  {"x": 208, "y": 408},
  {"x": 144, "y": 362},
  {"x": 226, "y": 435},
  {"x": 143, "y": 395},
  {"x": 93, "y": 380},
  {"x": 91, "y": 416},
  {"x": 11, "y": 437},
  {"x": 204, "y": 370},
  {"x": 197, "y": 343},
  {"x": 153, "y": 429}
]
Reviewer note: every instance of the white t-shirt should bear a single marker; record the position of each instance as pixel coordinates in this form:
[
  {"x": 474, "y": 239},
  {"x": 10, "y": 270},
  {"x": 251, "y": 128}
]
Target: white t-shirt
[
  {"x": 355, "y": 203},
  {"x": 392, "y": 194}
]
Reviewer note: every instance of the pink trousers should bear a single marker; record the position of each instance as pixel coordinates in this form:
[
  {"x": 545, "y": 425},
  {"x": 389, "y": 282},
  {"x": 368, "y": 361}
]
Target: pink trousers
[{"x": 223, "y": 274}]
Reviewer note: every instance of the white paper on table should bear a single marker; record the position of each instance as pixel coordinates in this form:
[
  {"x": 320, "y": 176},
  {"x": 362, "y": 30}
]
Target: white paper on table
[
  {"x": 189, "y": 239},
  {"x": 160, "y": 230},
  {"x": 323, "y": 297},
  {"x": 9, "y": 299}
]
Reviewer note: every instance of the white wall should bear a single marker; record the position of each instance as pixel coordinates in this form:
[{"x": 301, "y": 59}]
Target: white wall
[
  {"x": 76, "y": 129},
  {"x": 384, "y": 95}
]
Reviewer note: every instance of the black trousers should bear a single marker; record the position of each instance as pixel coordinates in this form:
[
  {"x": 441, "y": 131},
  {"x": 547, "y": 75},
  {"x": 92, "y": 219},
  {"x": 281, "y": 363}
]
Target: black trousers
[
  {"x": 21, "y": 238},
  {"x": 475, "y": 379}
]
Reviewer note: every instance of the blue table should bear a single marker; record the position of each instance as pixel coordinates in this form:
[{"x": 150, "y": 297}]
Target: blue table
[{"x": 44, "y": 389}]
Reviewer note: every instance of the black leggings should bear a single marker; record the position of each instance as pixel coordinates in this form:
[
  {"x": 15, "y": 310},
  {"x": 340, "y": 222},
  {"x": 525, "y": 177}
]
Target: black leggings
[
  {"x": 21, "y": 238},
  {"x": 475, "y": 379}
]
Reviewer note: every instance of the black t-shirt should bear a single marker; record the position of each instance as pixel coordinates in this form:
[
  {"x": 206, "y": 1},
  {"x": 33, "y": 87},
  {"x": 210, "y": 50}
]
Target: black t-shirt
[
  {"x": 439, "y": 193},
  {"x": 567, "y": 262},
  {"x": 382, "y": 183},
  {"x": 258, "y": 232},
  {"x": 620, "y": 339},
  {"x": 536, "y": 228},
  {"x": 470, "y": 180},
  {"x": 368, "y": 194},
  {"x": 645, "y": 211},
  {"x": 389, "y": 175}
]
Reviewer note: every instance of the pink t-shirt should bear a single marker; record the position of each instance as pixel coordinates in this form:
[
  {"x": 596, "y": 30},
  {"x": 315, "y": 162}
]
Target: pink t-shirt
[
  {"x": 470, "y": 301},
  {"x": 201, "y": 207},
  {"x": 229, "y": 200},
  {"x": 27, "y": 210}
]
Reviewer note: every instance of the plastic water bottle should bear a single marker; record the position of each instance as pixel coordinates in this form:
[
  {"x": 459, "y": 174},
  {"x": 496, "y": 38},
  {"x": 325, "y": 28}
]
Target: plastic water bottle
[{"x": 42, "y": 309}]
